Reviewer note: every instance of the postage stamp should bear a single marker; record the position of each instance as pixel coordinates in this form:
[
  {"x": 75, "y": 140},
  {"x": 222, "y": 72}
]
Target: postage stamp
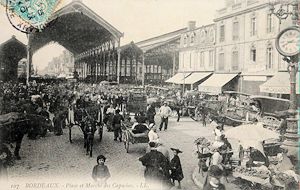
[{"x": 29, "y": 15}]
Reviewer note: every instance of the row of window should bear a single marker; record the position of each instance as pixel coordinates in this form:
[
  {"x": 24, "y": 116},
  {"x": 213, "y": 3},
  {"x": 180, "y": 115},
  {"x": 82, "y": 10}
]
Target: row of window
[
  {"x": 153, "y": 69},
  {"x": 253, "y": 28},
  {"x": 187, "y": 59},
  {"x": 205, "y": 35},
  {"x": 253, "y": 55}
]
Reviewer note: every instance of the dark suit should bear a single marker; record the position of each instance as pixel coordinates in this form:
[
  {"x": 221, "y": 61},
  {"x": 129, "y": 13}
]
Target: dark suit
[{"x": 157, "y": 167}]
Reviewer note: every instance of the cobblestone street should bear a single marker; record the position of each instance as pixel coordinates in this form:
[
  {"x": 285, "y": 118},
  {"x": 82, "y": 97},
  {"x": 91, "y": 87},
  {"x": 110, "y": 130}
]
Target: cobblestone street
[{"x": 55, "y": 156}]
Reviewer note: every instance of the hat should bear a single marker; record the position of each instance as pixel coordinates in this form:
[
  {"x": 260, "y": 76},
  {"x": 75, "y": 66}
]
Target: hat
[
  {"x": 101, "y": 157},
  {"x": 177, "y": 150}
]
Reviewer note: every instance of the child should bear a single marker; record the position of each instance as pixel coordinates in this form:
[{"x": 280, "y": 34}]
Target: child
[
  {"x": 100, "y": 171},
  {"x": 176, "y": 170}
]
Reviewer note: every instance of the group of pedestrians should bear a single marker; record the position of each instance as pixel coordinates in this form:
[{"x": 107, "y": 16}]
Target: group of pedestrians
[
  {"x": 160, "y": 172},
  {"x": 62, "y": 101}
]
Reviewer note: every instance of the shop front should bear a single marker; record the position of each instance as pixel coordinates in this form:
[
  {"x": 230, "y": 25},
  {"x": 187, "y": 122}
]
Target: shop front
[{"x": 220, "y": 82}]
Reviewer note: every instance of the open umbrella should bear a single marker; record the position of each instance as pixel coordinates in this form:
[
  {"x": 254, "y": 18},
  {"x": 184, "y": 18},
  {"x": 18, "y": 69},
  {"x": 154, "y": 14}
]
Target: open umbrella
[
  {"x": 251, "y": 135},
  {"x": 251, "y": 132}
]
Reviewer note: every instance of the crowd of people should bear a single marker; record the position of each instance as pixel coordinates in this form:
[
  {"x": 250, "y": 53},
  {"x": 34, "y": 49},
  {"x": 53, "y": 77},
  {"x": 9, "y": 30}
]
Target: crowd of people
[{"x": 59, "y": 102}]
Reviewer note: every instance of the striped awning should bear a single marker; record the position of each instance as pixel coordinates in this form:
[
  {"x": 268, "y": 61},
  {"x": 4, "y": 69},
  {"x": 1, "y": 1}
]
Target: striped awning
[
  {"x": 178, "y": 78},
  {"x": 195, "y": 77},
  {"x": 279, "y": 84},
  {"x": 215, "y": 83}
]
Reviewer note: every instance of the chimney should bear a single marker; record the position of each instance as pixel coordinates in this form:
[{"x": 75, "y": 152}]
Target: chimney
[{"x": 191, "y": 25}]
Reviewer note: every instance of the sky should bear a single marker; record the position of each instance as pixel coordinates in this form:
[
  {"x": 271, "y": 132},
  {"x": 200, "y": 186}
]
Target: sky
[{"x": 137, "y": 19}]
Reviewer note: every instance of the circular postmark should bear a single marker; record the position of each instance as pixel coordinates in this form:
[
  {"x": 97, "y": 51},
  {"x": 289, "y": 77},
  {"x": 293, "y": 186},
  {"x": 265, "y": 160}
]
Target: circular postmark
[{"x": 29, "y": 16}]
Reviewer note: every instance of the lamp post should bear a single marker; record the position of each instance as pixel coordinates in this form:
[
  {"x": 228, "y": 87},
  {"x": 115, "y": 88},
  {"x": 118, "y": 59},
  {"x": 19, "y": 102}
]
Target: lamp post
[
  {"x": 284, "y": 41},
  {"x": 284, "y": 10}
]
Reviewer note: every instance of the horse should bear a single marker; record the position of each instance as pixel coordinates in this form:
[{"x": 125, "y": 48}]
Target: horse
[
  {"x": 14, "y": 130},
  {"x": 89, "y": 128},
  {"x": 88, "y": 125}
]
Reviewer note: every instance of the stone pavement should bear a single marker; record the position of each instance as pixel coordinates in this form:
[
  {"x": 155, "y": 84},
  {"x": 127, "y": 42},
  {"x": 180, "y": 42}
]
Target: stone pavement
[
  {"x": 55, "y": 157},
  {"x": 182, "y": 135},
  {"x": 185, "y": 132}
]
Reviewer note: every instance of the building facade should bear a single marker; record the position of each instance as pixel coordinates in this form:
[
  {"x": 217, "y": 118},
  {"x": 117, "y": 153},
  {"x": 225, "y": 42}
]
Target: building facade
[
  {"x": 245, "y": 42},
  {"x": 197, "y": 48},
  {"x": 61, "y": 65},
  {"x": 196, "y": 54}
]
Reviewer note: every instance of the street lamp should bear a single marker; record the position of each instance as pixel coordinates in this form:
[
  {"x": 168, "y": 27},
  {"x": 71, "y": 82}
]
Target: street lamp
[
  {"x": 284, "y": 10},
  {"x": 287, "y": 44}
]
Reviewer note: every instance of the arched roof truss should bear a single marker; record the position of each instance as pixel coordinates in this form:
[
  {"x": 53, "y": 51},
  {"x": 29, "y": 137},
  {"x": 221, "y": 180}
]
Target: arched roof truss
[{"x": 77, "y": 28}]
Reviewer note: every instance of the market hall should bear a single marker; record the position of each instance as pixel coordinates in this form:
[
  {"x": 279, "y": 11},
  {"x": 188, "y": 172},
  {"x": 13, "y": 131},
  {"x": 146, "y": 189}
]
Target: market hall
[{"x": 93, "y": 41}]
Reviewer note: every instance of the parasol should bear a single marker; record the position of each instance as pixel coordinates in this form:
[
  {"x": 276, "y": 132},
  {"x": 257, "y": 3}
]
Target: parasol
[{"x": 251, "y": 134}]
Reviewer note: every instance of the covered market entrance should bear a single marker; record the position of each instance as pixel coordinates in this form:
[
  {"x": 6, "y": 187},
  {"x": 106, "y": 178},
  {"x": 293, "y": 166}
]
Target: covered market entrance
[{"x": 92, "y": 40}]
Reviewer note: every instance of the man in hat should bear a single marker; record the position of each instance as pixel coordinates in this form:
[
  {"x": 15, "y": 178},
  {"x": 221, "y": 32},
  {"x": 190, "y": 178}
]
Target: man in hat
[
  {"x": 100, "y": 171},
  {"x": 176, "y": 169},
  {"x": 156, "y": 166},
  {"x": 116, "y": 124},
  {"x": 151, "y": 113},
  {"x": 164, "y": 112}
]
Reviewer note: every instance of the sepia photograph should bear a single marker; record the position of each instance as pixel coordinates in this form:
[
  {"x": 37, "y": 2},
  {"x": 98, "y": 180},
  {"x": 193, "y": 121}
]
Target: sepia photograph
[{"x": 149, "y": 94}]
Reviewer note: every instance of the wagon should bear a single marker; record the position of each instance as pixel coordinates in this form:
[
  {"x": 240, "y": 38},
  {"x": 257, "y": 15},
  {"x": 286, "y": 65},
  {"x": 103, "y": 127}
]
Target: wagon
[
  {"x": 136, "y": 102},
  {"x": 130, "y": 138},
  {"x": 93, "y": 111},
  {"x": 268, "y": 108}
]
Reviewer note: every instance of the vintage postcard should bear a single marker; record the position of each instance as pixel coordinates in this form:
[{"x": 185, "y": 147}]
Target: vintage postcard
[{"x": 149, "y": 94}]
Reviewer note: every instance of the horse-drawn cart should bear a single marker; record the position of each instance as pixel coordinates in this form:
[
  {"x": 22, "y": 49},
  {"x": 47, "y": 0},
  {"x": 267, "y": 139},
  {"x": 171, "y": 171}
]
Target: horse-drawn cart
[
  {"x": 134, "y": 138},
  {"x": 269, "y": 109},
  {"x": 89, "y": 121}
]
